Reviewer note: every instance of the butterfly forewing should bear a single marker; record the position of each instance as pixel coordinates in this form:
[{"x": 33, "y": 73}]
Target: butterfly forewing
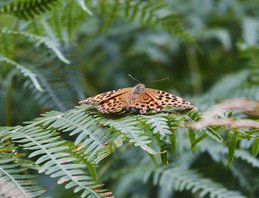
[
  {"x": 106, "y": 96},
  {"x": 164, "y": 99}
]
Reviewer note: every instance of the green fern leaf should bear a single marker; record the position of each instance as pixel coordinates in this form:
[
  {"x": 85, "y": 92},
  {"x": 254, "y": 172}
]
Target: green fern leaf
[
  {"x": 149, "y": 13},
  {"x": 232, "y": 144},
  {"x": 25, "y": 71},
  {"x": 136, "y": 135},
  {"x": 13, "y": 180},
  {"x": 54, "y": 159},
  {"x": 192, "y": 138},
  {"x": 51, "y": 44},
  {"x": 159, "y": 124},
  {"x": 199, "y": 139},
  {"x": 219, "y": 152},
  {"x": 82, "y": 4},
  {"x": 92, "y": 137},
  {"x": 180, "y": 179},
  {"x": 27, "y": 9},
  {"x": 214, "y": 135},
  {"x": 255, "y": 146}
]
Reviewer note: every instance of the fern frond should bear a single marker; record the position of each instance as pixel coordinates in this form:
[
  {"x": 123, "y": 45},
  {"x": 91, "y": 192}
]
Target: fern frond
[
  {"x": 149, "y": 13},
  {"x": 51, "y": 44},
  {"x": 56, "y": 95},
  {"x": 25, "y": 71},
  {"x": 220, "y": 152},
  {"x": 135, "y": 134},
  {"x": 159, "y": 124},
  {"x": 180, "y": 179},
  {"x": 92, "y": 136},
  {"x": 82, "y": 4},
  {"x": 27, "y": 9},
  {"x": 54, "y": 160},
  {"x": 13, "y": 180}
]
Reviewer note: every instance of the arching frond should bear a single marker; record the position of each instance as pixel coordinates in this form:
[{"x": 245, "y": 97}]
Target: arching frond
[
  {"x": 91, "y": 135},
  {"x": 54, "y": 160},
  {"x": 56, "y": 95},
  {"x": 82, "y": 4},
  {"x": 13, "y": 180},
  {"x": 149, "y": 13},
  {"x": 25, "y": 71},
  {"x": 179, "y": 179},
  {"x": 129, "y": 127},
  {"x": 220, "y": 152},
  {"x": 51, "y": 44}
]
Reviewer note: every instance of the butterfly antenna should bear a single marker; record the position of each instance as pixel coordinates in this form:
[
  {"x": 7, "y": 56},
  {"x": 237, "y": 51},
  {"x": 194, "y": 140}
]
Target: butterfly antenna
[
  {"x": 167, "y": 78},
  {"x": 134, "y": 78}
]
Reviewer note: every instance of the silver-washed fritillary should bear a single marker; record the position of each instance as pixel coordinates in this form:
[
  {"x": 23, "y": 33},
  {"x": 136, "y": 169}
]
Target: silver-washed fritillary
[{"x": 138, "y": 97}]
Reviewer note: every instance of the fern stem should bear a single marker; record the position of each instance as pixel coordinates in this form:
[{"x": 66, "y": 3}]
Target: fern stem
[
  {"x": 173, "y": 143},
  {"x": 153, "y": 158},
  {"x": 163, "y": 154},
  {"x": 9, "y": 102},
  {"x": 194, "y": 70}
]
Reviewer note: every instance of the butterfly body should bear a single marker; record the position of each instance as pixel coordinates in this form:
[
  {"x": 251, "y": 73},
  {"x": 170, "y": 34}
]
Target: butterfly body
[{"x": 137, "y": 97}]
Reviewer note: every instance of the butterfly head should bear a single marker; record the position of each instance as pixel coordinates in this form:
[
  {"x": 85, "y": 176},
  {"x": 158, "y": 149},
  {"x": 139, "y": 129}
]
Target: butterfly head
[{"x": 139, "y": 88}]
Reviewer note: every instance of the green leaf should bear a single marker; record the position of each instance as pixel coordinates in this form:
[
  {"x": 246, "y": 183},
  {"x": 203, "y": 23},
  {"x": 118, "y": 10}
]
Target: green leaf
[
  {"x": 27, "y": 9},
  {"x": 214, "y": 135},
  {"x": 255, "y": 146},
  {"x": 163, "y": 154},
  {"x": 179, "y": 179},
  {"x": 199, "y": 139},
  {"x": 232, "y": 144},
  {"x": 192, "y": 138},
  {"x": 82, "y": 4},
  {"x": 173, "y": 143},
  {"x": 14, "y": 178},
  {"x": 41, "y": 40},
  {"x": 135, "y": 134},
  {"x": 25, "y": 71}
]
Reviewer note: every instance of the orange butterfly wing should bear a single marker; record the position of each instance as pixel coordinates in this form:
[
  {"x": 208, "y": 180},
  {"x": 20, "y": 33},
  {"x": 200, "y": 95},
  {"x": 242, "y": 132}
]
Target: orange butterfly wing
[
  {"x": 165, "y": 99},
  {"x": 157, "y": 101},
  {"x": 111, "y": 101},
  {"x": 150, "y": 99}
]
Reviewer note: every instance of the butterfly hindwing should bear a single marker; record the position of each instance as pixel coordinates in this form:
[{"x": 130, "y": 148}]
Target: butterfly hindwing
[
  {"x": 112, "y": 105},
  {"x": 145, "y": 102}
]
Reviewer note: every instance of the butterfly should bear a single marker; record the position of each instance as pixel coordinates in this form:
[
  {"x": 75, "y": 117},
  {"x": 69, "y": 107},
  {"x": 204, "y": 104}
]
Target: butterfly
[{"x": 138, "y": 97}]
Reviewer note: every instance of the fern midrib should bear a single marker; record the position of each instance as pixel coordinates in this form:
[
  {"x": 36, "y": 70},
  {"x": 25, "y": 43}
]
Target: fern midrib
[
  {"x": 58, "y": 164},
  {"x": 16, "y": 183}
]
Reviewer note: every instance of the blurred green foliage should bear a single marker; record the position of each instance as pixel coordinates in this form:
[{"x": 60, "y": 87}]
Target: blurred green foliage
[{"x": 54, "y": 53}]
